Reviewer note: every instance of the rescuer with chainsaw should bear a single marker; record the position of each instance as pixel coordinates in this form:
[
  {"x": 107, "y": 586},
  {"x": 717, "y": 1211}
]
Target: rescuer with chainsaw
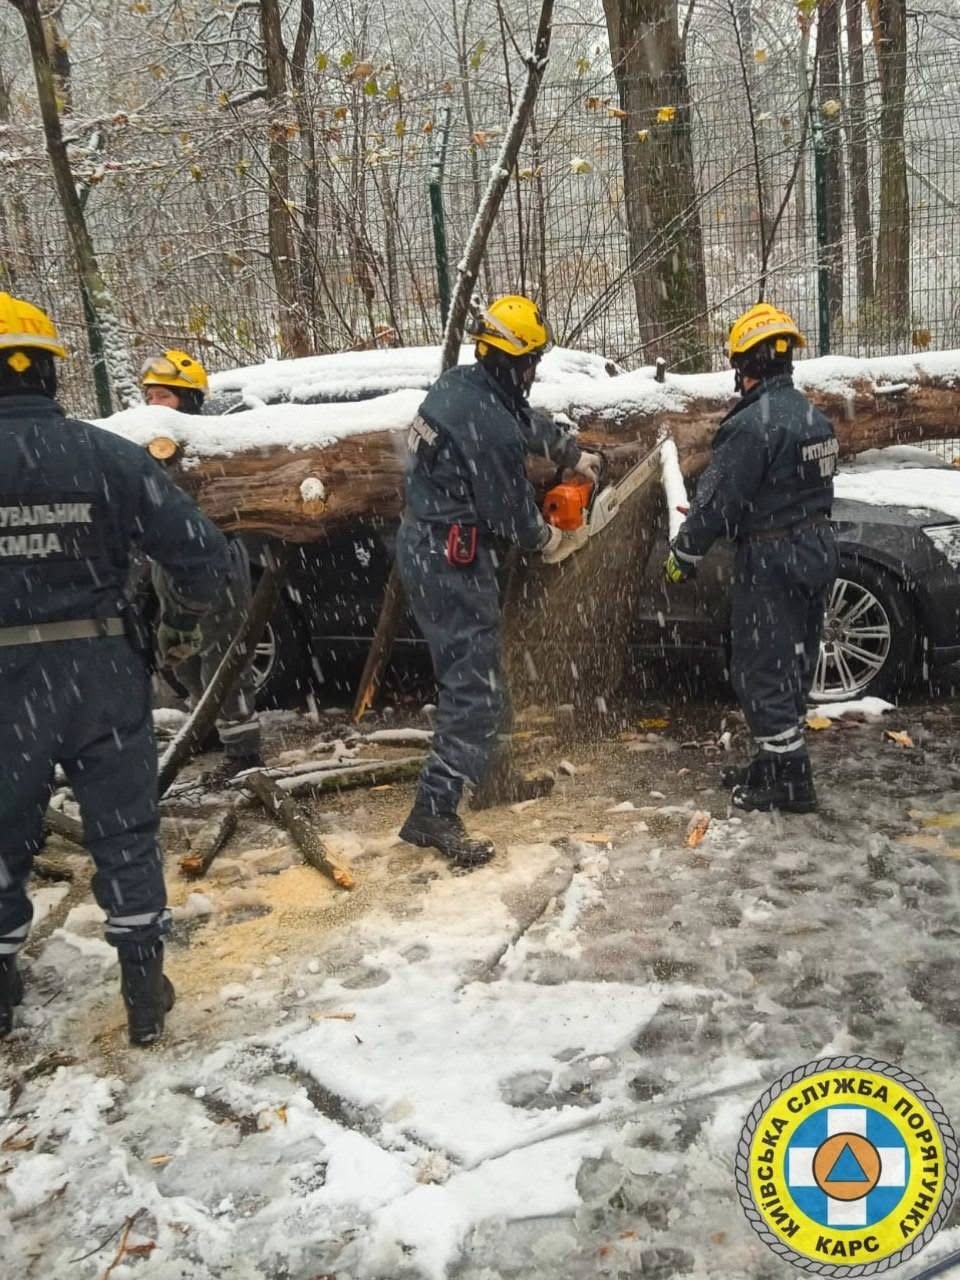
[
  {"x": 174, "y": 380},
  {"x": 75, "y": 503},
  {"x": 769, "y": 488},
  {"x": 467, "y": 500}
]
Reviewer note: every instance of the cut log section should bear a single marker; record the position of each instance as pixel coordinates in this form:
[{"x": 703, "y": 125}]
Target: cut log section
[{"x": 362, "y": 474}]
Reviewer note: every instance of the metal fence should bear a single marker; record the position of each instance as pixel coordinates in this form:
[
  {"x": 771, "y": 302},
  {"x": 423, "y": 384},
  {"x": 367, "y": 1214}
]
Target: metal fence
[{"x": 180, "y": 226}]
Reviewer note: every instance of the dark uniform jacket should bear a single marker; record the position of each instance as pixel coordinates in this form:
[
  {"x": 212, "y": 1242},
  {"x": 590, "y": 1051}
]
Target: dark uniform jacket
[
  {"x": 774, "y": 457},
  {"x": 468, "y": 449},
  {"x": 75, "y": 501}
]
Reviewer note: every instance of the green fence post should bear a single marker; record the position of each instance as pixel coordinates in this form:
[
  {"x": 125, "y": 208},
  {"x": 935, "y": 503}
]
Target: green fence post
[
  {"x": 437, "y": 217},
  {"x": 820, "y": 188}
]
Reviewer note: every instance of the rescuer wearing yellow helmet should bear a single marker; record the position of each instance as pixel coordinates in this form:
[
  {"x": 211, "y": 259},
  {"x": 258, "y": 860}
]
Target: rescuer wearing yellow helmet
[
  {"x": 175, "y": 380},
  {"x": 769, "y": 488},
  {"x": 75, "y": 503},
  {"x": 467, "y": 495}
]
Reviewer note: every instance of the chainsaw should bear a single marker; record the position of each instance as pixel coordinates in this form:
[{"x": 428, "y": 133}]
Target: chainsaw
[{"x": 580, "y": 508}]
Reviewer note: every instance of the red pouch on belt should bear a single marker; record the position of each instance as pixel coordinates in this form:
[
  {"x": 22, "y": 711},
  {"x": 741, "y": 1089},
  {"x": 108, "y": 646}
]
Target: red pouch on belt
[{"x": 462, "y": 544}]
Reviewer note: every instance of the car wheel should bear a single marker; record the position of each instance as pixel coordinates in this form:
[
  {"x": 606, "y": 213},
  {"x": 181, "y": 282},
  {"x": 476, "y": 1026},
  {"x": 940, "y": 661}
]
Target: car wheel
[
  {"x": 869, "y": 642},
  {"x": 281, "y": 665}
]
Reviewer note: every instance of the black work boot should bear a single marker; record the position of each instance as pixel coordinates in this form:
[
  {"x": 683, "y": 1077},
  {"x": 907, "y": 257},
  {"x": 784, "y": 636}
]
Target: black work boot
[
  {"x": 11, "y": 992},
  {"x": 147, "y": 992},
  {"x": 446, "y": 832},
  {"x": 785, "y": 784},
  {"x": 739, "y": 775}
]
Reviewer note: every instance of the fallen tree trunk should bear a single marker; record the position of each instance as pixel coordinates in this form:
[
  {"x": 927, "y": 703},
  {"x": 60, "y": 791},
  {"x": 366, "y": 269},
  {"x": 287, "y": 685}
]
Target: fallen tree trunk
[{"x": 362, "y": 474}]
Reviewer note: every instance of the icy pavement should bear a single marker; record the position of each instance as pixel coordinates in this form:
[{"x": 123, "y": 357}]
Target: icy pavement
[{"x": 537, "y": 1070}]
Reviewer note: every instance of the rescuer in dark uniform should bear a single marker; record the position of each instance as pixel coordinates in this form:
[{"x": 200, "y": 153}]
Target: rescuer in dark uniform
[
  {"x": 467, "y": 498},
  {"x": 174, "y": 380},
  {"x": 74, "y": 502},
  {"x": 769, "y": 488}
]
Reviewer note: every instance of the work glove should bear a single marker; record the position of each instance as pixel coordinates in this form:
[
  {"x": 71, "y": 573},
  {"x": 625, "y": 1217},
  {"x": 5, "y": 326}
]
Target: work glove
[
  {"x": 590, "y": 465},
  {"x": 676, "y": 570},
  {"x": 562, "y": 543},
  {"x": 175, "y": 645}
]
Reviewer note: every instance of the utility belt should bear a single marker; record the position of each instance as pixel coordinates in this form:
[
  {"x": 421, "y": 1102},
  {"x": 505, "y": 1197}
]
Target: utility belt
[
  {"x": 75, "y": 629},
  {"x": 788, "y": 531}
]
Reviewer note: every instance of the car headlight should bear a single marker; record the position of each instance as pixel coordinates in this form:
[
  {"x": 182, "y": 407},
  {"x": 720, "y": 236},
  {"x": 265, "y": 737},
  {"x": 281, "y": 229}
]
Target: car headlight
[{"x": 946, "y": 538}]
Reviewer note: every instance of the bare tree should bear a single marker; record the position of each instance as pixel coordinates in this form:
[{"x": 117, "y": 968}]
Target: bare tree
[
  {"x": 892, "y": 288},
  {"x": 92, "y": 283},
  {"x": 283, "y": 261},
  {"x": 659, "y": 183},
  {"x": 828, "y": 57},
  {"x": 859, "y": 159}
]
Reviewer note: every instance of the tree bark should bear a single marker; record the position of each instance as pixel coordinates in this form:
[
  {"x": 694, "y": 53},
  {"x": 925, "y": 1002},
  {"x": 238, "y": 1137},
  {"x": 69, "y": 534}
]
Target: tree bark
[
  {"x": 892, "y": 285},
  {"x": 283, "y": 262},
  {"x": 91, "y": 279},
  {"x": 663, "y": 218},
  {"x": 859, "y": 160},
  {"x": 830, "y": 96}
]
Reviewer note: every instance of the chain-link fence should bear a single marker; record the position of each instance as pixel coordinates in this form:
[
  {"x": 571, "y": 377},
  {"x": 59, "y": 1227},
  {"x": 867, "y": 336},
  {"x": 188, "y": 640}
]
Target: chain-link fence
[{"x": 178, "y": 213}]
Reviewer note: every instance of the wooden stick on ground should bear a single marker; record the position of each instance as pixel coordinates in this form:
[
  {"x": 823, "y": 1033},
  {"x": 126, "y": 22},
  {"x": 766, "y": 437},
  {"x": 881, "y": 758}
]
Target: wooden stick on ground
[
  {"x": 346, "y": 779},
  {"x": 286, "y": 812},
  {"x": 204, "y": 715},
  {"x": 58, "y": 824},
  {"x": 211, "y": 838}
]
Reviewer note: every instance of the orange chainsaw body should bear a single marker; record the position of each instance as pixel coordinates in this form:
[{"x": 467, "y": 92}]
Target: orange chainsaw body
[{"x": 565, "y": 505}]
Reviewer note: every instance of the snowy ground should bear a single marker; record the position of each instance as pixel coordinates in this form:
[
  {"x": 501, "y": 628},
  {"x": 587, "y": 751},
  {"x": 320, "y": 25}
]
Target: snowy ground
[{"x": 536, "y": 1070}]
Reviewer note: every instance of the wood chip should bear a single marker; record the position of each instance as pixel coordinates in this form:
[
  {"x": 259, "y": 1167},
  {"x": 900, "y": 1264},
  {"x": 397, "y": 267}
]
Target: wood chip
[
  {"x": 159, "y": 1161},
  {"x": 322, "y": 1015},
  {"x": 697, "y": 828}
]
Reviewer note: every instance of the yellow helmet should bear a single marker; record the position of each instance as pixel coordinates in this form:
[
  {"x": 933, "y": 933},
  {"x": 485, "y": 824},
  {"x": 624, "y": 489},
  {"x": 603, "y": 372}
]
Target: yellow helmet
[
  {"x": 175, "y": 369},
  {"x": 759, "y": 324},
  {"x": 514, "y": 325},
  {"x": 24, "y": 326}
]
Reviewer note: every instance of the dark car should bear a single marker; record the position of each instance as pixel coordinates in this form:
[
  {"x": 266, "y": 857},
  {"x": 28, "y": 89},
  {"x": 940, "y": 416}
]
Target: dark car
[{"x": 894, "y": 610}]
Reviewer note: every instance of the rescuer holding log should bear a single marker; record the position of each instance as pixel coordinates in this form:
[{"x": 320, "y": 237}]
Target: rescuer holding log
[
  {"x": 75, "y": 503},
  {"x": 174, "y": 380},
  {"x": 467, "y": 500},
  {"x": 769, "y": 488}
]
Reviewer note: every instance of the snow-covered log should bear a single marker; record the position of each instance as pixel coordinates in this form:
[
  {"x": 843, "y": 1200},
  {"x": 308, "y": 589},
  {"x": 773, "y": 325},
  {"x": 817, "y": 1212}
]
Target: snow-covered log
[{"x": 297, "y": 470}]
